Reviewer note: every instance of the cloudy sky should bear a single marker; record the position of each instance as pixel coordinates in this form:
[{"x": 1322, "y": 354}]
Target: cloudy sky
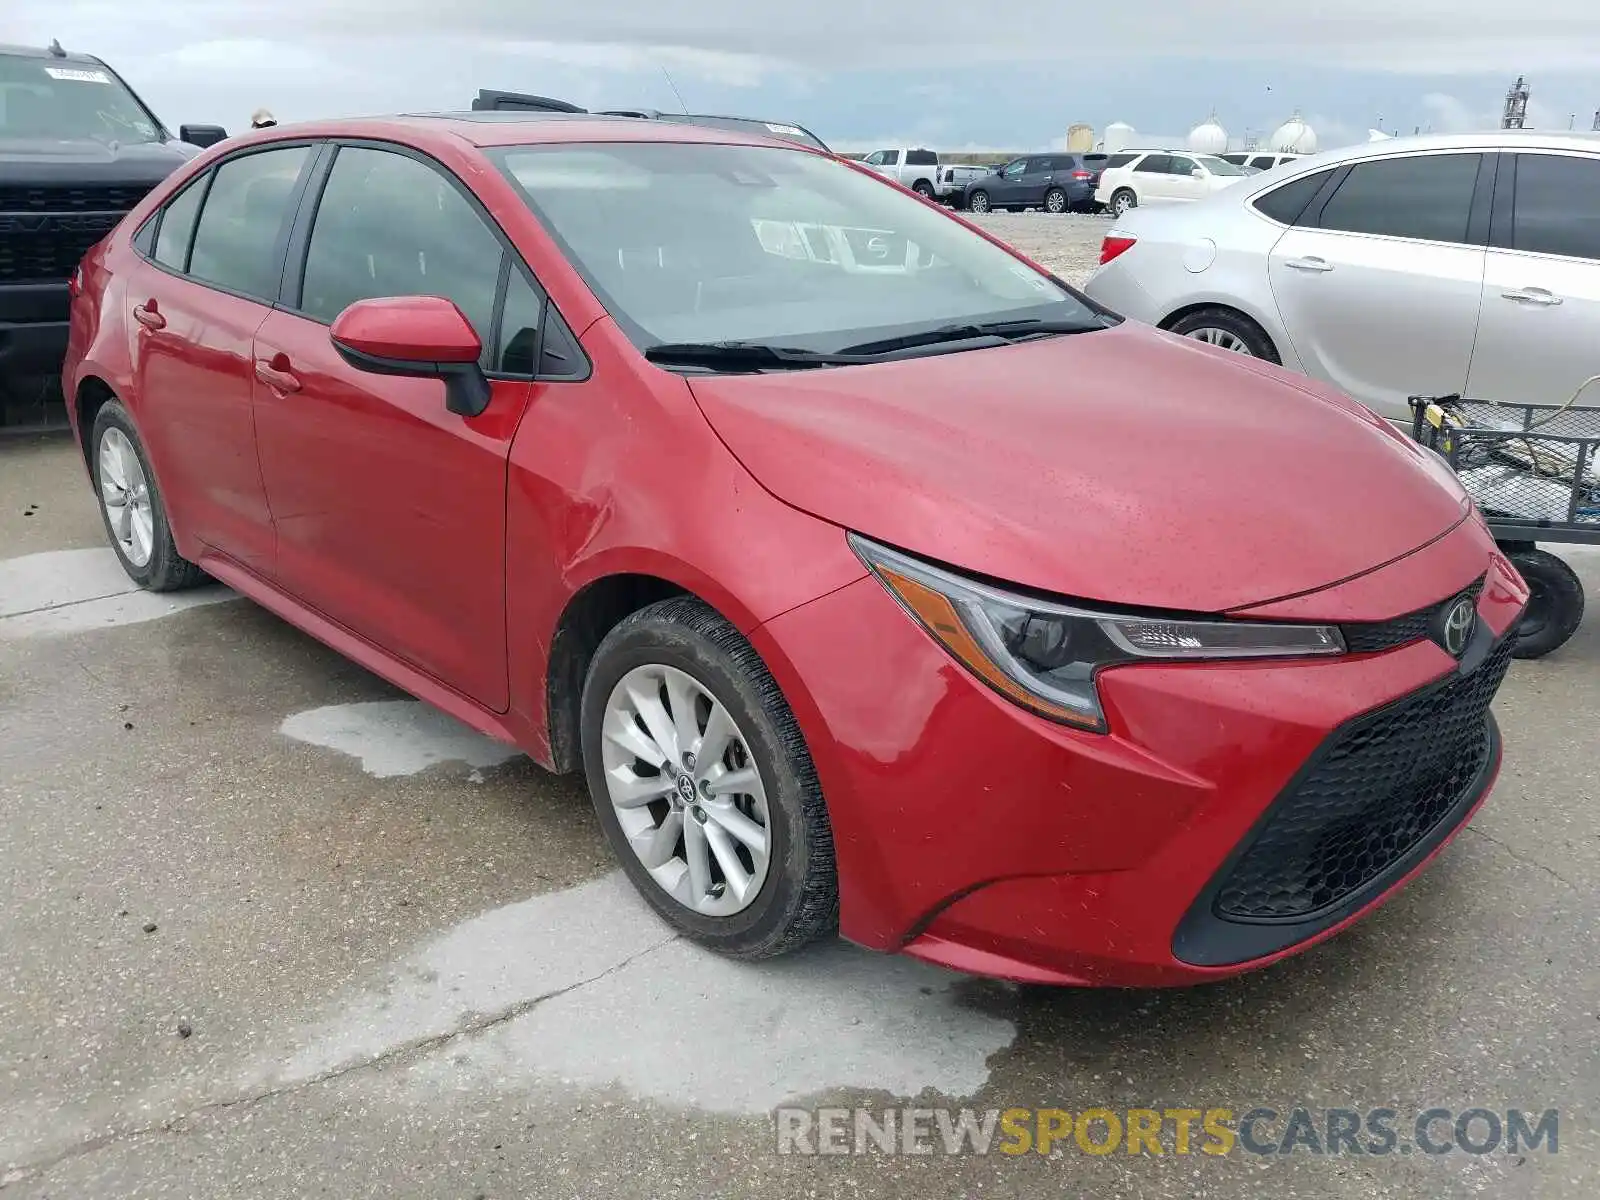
[{"x": 954, "y": 74}]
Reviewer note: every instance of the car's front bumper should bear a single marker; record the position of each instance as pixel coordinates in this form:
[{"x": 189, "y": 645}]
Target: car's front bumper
[{"x": 973, "y": 834}]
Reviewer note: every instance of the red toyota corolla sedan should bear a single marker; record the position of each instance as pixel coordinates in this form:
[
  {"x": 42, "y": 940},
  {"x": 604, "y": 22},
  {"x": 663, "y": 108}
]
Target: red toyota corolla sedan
[{"x": 876, "y": 580}]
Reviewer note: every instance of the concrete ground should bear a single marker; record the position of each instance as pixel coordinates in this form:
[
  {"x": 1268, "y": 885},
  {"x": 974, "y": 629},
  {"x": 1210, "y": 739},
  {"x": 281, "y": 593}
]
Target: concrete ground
[{"x": 270, "y": 929}]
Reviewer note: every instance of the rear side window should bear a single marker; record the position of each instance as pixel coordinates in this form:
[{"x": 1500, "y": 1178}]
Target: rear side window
[
  {"x": 1119, "y": 160},
  {"x": 1428, "y": 197},
  {"x": 237, "y": 240},
  {"x": 177, "y": 227},
  {"x": 1286, "y": 202},
  {"x": 921, "y": 158},
  {"x": 388, "y": 225},
  {"x": 1265, "y": 161},
  {"x": 1555, "y": 210},
  {"x": 1154, "y": 164}
]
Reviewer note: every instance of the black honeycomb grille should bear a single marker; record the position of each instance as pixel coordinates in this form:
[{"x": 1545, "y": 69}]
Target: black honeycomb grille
[
  {"x": 1375, "y": 791},
  {"x": 22, "y": 198},
  {"x": 1372, "y": 637}
]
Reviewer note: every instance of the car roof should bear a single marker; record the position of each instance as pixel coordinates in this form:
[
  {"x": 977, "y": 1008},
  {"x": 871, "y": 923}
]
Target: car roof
[
  {"x": 486, "y": 130},
  {"x": 41, "y": 52}
]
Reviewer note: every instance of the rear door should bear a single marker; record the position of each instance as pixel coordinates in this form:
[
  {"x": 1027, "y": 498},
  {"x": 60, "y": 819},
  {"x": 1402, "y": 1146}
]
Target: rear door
[
  {"x": 196, "y": 302},
  {"x": 1151, "y": 180},
  {"x": 390, "y": 508},
  {"x": 1541, "y": 287},
  {"x": 1379, "y": 284}
]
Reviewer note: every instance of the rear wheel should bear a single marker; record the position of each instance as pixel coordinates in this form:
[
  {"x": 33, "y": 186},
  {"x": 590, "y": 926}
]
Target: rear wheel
[
  {"x": 1123, "y": 201},
  {"x": 1055, "y": 201},
  {"x": 1555, "y": 602},
  {"x": 131, "y": 506},
  {"x": 923, "y": 188},
  {"x": 703, "y": 783},
  {"x": 978, "y": 202},
  {"x": 1226, "y": 329}
]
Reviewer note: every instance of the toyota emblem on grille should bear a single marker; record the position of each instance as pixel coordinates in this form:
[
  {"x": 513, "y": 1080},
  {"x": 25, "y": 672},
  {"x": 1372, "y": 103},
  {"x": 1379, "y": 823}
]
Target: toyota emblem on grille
[{"x": 1457, "y": 628}]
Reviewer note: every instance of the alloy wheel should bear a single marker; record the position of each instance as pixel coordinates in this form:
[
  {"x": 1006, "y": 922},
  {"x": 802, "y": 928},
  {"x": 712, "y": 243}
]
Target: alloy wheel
[
  {"x": 686, "y": 791},
  {"x": 1223, "y": 339},
  {"x": 1055, "y": 202},
  {"x": 980, "y": 203},
  {"x": 125, "y": 492}
]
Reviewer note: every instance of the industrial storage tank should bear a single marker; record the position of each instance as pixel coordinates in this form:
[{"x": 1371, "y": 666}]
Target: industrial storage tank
[
  {"x": 1119, "y": 136},
  {"x": 1080, "y": 139},
  {"x": 1294, "y": 136},
  {"x": 1208, "y": 138}
]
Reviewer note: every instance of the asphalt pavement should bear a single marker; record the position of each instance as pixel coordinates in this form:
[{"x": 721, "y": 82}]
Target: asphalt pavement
[{"x": 268, "y": 928}]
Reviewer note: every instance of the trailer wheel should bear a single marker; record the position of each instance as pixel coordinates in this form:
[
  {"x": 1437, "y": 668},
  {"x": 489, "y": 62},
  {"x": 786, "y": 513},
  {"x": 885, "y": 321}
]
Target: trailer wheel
[{"x": 1555, "y": 603}]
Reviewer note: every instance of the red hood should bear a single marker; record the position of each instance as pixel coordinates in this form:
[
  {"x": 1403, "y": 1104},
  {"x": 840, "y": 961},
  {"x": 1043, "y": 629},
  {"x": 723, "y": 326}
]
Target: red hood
[{"x": 1126, "y": 466}]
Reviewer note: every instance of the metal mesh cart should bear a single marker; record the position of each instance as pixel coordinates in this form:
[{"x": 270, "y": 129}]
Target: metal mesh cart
[{"x": 1534, "y": 472}]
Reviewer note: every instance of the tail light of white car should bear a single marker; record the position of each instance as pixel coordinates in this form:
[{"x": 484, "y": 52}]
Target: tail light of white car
[{"x": 1114, "y": 245}]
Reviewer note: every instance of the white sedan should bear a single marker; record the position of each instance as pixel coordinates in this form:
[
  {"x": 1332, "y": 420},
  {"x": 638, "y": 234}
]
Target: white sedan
[
  {"x": 1164, "y": 177},
  {"x": 1445, "y": 264}
]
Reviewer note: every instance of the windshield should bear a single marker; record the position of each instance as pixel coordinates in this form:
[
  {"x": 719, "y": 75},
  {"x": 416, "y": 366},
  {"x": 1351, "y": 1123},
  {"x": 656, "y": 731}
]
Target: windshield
[
  {"x": 687, "y": 243},
  {"x": 1219, "y": 166},
  {"x": 59, "y": 98}
]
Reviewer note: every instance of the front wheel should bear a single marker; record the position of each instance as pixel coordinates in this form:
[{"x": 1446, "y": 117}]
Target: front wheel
[
  {"x": 978, "y": 202},
  {"x": 1055, "y": 201},
  {"x": 704, "y": 785},
  {"x": 1123, "y": 201},
  {"x": 1555, "y": 602}
]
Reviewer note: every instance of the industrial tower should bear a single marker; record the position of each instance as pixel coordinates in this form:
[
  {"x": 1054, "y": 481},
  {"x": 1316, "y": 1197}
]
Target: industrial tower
[{"x": 1516, "y": 113}]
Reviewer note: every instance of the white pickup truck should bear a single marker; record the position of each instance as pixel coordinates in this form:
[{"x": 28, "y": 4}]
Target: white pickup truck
[{"x": 921, "y": 171}]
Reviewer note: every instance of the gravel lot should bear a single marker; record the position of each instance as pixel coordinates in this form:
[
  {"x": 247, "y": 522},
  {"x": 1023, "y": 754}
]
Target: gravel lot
[{"x": 1068, "y": 244}]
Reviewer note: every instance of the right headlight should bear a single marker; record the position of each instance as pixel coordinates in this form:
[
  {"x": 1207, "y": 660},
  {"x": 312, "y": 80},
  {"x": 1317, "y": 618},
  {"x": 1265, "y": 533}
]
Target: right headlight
[{"x": 1044, "y": 655}]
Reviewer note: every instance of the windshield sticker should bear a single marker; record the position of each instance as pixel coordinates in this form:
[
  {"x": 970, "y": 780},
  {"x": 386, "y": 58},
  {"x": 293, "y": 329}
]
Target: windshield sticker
[{"x": 77, "y": 76}]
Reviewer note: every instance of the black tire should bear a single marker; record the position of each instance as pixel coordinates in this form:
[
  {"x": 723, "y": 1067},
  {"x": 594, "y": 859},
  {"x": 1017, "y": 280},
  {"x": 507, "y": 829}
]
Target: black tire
[
  {"x": 1123, "y": 200},
  {"x": 799, "y": 900},
  {"x": 1555, "y": 605},
  {"x": 978, "y": 201},
  {"x": 923, "y": 188},
  {"x": 1257, "y": 343},
  {"x": 167, "y": 570},
  {"x": 1055, "y": 201}
]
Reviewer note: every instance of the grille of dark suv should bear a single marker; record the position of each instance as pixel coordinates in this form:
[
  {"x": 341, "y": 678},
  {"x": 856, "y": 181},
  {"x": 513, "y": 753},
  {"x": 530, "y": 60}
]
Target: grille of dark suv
[
  {"x": 1374, "y": 791},
  {"x": 1370, "y": 637},
  {"x": 50, "y": 256},
  {"x": 22, "y": 198}
]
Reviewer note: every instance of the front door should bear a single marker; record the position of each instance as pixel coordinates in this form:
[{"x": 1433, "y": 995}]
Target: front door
[
  {"x": 1541, "y": 289},
  {"x": 390, "y": 509},
  {"x": 1379, "y": 292},
  {"x": 1182, "y": 183},
  {"x": 1008, "y": 187},
  {"x": 196, "y": 304}
]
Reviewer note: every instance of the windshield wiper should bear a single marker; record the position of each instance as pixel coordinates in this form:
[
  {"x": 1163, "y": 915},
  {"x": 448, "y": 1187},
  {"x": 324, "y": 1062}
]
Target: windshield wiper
[
  {"x": 746, "y": 356},
  {"x": 1016, "y": 330}
]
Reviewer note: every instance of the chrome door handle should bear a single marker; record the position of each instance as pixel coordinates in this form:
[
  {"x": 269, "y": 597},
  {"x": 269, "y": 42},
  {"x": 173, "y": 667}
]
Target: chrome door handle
[
  {"x": 1532, "y": 296},
  {"x": 1309, "y": 263}
]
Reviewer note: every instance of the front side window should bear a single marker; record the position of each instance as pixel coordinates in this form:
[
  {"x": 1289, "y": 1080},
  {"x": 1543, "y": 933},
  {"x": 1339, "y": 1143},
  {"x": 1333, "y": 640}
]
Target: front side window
[
  {"x": 1425, "y": 196},
  {"x": 237, "y": 240},
  {"x": 1217, "y": 166},
  {"x": 876, "y": 159},
  {"x": 519, "y": 326},
  {"x": 708, "y": 243},
  {"x": 1014, "y": 170},
  {"x": 389, "y": 225},
  {"x": 1179, "y": 165},
  {"x": 1556, "y": 211},
  {"x": 177, "y": 226},
  {"x": 60, "y": 99}
]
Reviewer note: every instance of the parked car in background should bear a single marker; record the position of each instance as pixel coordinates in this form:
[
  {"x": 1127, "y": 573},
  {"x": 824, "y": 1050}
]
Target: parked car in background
[
  {"x": 954, "y": 178},
  {"x": 1256, "y": 160},
  {"x": 1164, "y": 177},
  {"x": 489, "y": 100},
  {"x": 1462, "y": 263},
  {"x": 1056, "y": 183},
  {"x": 917, "y": 169},
  {"x": 880, "y": 598},
  {"x": 77, "y": 150}
]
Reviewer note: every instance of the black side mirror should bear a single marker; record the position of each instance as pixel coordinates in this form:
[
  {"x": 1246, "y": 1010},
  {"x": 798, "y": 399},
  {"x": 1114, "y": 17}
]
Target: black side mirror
[{"x": 202, "y": 135}]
